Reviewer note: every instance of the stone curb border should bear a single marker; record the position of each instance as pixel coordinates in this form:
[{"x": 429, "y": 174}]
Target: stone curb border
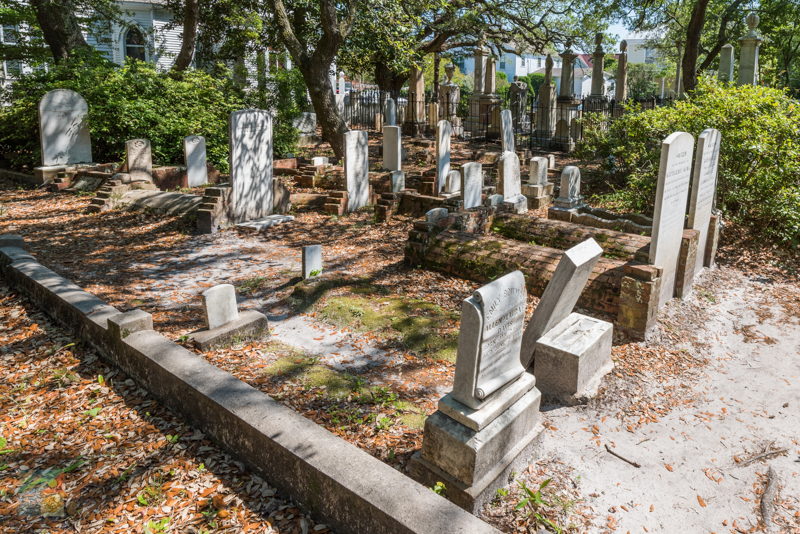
[{"x": 337, "y": 482}]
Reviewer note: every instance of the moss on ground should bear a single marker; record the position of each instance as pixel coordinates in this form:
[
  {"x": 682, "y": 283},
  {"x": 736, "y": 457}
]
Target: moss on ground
[{"x": 306, "y": 370}]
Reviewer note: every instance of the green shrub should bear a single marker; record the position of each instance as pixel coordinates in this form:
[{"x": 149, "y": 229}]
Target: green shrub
[
  {"x": 759, "y": 171},
  {"x": 286, "y": 94},
  {"x": 126, "y": 102}
]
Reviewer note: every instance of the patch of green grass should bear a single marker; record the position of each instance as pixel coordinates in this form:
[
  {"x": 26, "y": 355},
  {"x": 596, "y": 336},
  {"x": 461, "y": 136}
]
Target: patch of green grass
[
  {"x": 413, "y": 420},
  {"x": 311, "y": 374},
  {"x": 251, "y": 285}
]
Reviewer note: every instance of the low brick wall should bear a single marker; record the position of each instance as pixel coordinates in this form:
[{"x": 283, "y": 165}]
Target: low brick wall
[{"x": 340, "y": 484}]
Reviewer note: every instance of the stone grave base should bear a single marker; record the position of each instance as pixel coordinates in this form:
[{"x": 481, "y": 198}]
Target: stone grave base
[
  {"x": 265, "y": 223},
  {"x": 249, "y": 325},
  {"x": 518, "y": 205},
  {"x": 539, "y": 196},
  {"x": 571, "y": 359}
]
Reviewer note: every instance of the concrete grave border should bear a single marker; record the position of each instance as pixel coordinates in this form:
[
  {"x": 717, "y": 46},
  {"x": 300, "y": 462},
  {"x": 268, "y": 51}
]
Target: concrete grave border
[{"x": 334, "y": 480}]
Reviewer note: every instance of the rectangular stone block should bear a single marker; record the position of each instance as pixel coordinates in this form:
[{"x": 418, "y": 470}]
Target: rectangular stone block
[
  {"x": 356, "y": 169},
  {"x": 220, "y": 305},
  {"x": 194, "y": 151},
  {"x": 139, "y": 160},
  {"x": 250, "y": 140},
  {"x": 249, "y": 325},
  {"x": 312, "y": 261}
]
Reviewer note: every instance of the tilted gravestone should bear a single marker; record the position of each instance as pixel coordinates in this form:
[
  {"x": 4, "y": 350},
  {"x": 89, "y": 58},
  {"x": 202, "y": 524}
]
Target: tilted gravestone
[
  {"x": 674, "y": 175},
  {"x": 140, "y": 160},
  {"x": 491, "y": 418},
  {"x": 194, "y": 151},
  {"x": 704, "y": 188},
  {"x": 64, "y": 129},
  {"x": 443, "y": 132},
  {"x": 569, "y": 352},
  {"x": 507, "y": 130},
  {"x": 250, "y": 138},
  {"x": 392, "y": 148},
  {"x": 473, "y": 184},
  {"x": 510, "y": 183},
  {"x": 356, "y": 168},
  {"x": 220, "y": 305},
  {"x": 312, "y": 261}
]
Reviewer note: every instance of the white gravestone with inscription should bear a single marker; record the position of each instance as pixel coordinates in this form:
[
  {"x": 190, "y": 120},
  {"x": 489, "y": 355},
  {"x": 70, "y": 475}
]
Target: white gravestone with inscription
[
  {"x": 443, "y": 132},
  {"x": 392, "y": 148},
  {"x": 510, "y": 182},
  {"x": 473, "y": 184},
  {"x": 356, "y": 168},
  {"x": 569, "y": 194},
  {"x": 250, "y": 132},
  {"x": 64, "y": 129},
  {"x": 674, "y": 175},
  {"x": 194, "y": 151},
  {"x": 220, "y": 304},
  {"x": 704, "y": 189},
  {"x": 140, "y": 160},
  {"x": 507, "y": 130}
]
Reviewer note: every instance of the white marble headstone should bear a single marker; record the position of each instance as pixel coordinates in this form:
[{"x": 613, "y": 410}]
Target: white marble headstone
[
  {"x": 398, "y": 181},
  {"x": 443, "y": 132},
  {"x": 509, "y": 175},
  {"x": 392, "y": 148},
  {"x": 704, "y": 188},
  {"x": 312, "y": 261},
  {"x": 538, "y": 171},
  {"x": 356, "y": 168},
  {"x": 140, "y": 160},
  {"x": 220, "y": 305},
  {"x": 490, "y": 339},
  {"x": 674, "y": 175},
  {"x": 250, "y": 133},
  {"x": 473, "y": 184},
  {"x": 507, "y": 130},
  {"x": 194, "y": 151},
  {"x": 64, "y": 128},
  {"x": 569, "y": 195},
  {"x": 453, "y": 182}
]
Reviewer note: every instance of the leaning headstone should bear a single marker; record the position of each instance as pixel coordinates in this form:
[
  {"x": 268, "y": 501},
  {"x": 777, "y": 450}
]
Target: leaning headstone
[
  {"x": 64, "y": 129},
  {"x": 250, "y": 139},
  {"x": 488, "y": 423},
  {"x": 569, "y": 196},
  {"x": 390, "y": 112},
  {"x": 312, "y": 261},
  {"x": 392, "y": 148},
  {"x": 398, "y": 181},
  {"x": 220, "y": 305},
  {"x": 443, "y": 132},
  {"x": 453, "y": 182},
  {"x": 507, "y": 130},
  {"x": 510, "y": 183},
  {"x": 704, "y": 188},
  {"x": 194, "y": 151},
  {"x": 674, "y": 175},
  {"x": 356, "y": 168},
  {"x": 473, "y": 184},
  {"x": 140, "y": 160}
]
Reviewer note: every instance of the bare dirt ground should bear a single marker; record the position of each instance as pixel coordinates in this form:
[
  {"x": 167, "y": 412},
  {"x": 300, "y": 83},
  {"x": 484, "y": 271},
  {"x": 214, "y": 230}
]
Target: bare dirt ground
[{"x": 703, "y": 409}]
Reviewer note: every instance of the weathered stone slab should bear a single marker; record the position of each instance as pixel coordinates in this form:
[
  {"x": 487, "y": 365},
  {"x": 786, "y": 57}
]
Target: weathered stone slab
[
  {"x": 704, "y": 188},
  {"x": 569, "y": 196},
  {"x": 453, "y": 183},
  {"x": 356, "y": 168},
  {"x": 510, "y": 182},
  {"x": 398, "y": 181},
  {"x": 507, "y": 130},
  {"x": 674, "y": 175},
  {"x": 312, "y": 260},
  {"x": 538, "y": 171},
  {"x": 265, "y": 223},
  {"x": 249, "y": 325},
  {"x": 473, "y": 184},
  {"x": 64, "y": 129},
  {"x": 495, "y": 200},
  {"x": 435, "y": 214},
  {"x": 392, "y": 148},
  {"x": 220, "y": 305},
  {"x": 318, "y": 161},
  {"x": 140, "y": 160},
  {"x": 250, "y": 133},
  {"x": 490, "y": 339},
  {"x": 194, "y": 150},
  {"x": 443, "y": 132},
  {"x": 492, "y": 408},
  {"x": 560, "y": 295},
  {"x": 390, "y": 112}
]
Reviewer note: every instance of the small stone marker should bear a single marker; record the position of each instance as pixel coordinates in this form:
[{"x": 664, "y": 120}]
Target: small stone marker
[
  {"x": 194, "y": 151},
  {"x": 507, "y": 130},
  {"x": 551, "y": 161},
  {"x": 495, "y": 200},
  {"x": 569, "y": 196},
  {"x": 356, "y": 168},
  {"x": 704, "y": 188},
  {"x": 140, "y": 160},
  {"x": 318, "y": 161},
  {"x": 538, "y": 171},
  {"x": 392, "y": 148},
  {"x": 64, "y": 129},
  {"x": 435, "y": 214},
  {"x": 473, "y": 184},
  {"x": 674, "y": 175},
  {"x": 390, "y": 112},
  {"x": 443, "y": 132},
  {"x": 538, "y": 190},
  {"x": 453, "y": 182},
  {"x": 220, "y": 304},
  {"x": 398, "y": 181},
  {"x": 561, "y": 294},
  {"x": 250, "y": 138},
  {"x": 312, "y": 261}
]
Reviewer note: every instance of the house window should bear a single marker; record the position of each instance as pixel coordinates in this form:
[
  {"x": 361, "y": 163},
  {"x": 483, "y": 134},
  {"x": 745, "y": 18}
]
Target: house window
[
  {"x": 13, "y": 67},
  {"x": 502, "y": 65},
  {"x": 134, "y": 44}
]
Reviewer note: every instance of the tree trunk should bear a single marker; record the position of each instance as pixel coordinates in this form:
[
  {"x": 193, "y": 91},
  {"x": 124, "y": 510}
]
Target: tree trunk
[
  {"x": 692, "y": 48},
  {"x": 389, "y": 81},
  {"x": 322, "y": 98},
  {"x": 60, "y": 27},
  {"x": 436, "y": 61},
  {"x": 191, "y": 17}
]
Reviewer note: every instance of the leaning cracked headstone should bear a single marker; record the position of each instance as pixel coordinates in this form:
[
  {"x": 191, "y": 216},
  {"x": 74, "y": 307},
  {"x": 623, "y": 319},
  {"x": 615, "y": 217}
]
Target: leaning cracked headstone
[
  {"x": 64, "y": 129},
  {"x": 312, "y": 261},
  {"x": 140, "y": 160},
  {"x": 250, "y": 138},
  {"x": 220, "y": 305},
  {"x": 704, "y": 188},
  {"x": 674, "y": 175},
  {"x": 356, "y": 168},
  {"x": 473, "y": 184},
  {"x": 194, "y": 150}
]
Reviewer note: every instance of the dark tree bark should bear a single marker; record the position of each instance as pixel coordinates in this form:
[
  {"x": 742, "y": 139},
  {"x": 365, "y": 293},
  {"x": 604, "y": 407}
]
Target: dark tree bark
[
  {"x": 191, "y": 17},
  {"x": 60, "y": 27},
  {"x": 388, "y": 80},
  {"x": 692, "y": 49},
  {"x": 436, "y": 61}
]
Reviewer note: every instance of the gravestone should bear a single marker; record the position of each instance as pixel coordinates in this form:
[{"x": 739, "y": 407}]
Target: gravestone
[
  {"x": 507, "y": 130},
  {"x": 538, "y": 171},
  {"x": 194, "y": 151},
  {"x": 726, "y": 61},
  {"x": 473, "y": 184},
  {"x": 674, "y": 175},
  {"x": 486, "y": 426},
  {"x": 495, "y": 200},
  {"x": 250, "y": 139},
  {"x": 568, "y": 352},
  {"x": 220, "y": 305},
  {"x": 510, "y": 183},
  {"x": 306, "y": 123},
  {"x": 390, "y": 112},
  {"x": 64, "y": 129},
  {"x": 356, "y": 168},
  {"x": 551, "y": 161},
  {"x": 443, "y": 132},
  {"x": 538, "y": 190},
  {"x": 318, "y": 161},
  {"x": 140, "y": 160},
  {"x": 704, "y": 188},
  {"x": 453, "y": 182},
  {"x": 392, "y": 148},
  {"x": 398, "y": 181},
  {"x": 433, "y": 215},
  {"x": 312, "y": 261},
  {"x": 569, "y": 196}
]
